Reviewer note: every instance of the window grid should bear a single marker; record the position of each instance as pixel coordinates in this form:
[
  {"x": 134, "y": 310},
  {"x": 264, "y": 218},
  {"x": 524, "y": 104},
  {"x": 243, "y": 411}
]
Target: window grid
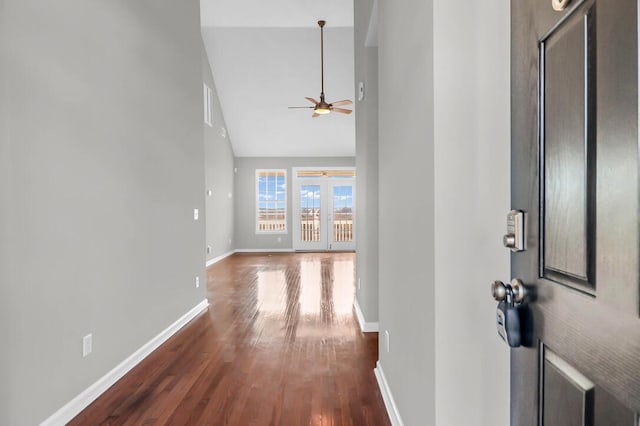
[
  {"x": 310, "y": 213},
  {"x": 271, "y": 201}
]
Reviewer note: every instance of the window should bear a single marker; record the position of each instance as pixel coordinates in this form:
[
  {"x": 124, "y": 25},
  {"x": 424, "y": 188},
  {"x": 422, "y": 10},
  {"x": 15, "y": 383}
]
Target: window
[
  {"x": 271, "y": 201},
  {"x": 208, "y": 101}
]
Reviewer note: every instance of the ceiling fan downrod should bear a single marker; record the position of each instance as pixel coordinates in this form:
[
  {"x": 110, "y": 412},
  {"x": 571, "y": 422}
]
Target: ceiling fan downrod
[{"x": 321, "y": 24}]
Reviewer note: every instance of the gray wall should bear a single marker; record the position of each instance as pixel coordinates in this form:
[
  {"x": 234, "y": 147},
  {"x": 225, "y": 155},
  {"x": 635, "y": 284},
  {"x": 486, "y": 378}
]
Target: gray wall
[
  {"x": 471, "y": 168},
  {"x": 444, "y": 175},
  {"x": 245, "y": 205},
  {"x": 407, "y": 291},
  {"x": 5, "y": 252},
  {"x": 106, "y": 143},
  {"x": 366, "y": 70},
  {"x": 219, "y": 163}
]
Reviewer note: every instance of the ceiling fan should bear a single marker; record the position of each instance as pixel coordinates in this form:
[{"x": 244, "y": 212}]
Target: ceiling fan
[{"x": 322, "y": 107}]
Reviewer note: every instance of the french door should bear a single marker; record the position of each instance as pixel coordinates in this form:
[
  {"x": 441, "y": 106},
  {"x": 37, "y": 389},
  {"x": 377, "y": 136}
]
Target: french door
[{"x": 324, "y": 213}]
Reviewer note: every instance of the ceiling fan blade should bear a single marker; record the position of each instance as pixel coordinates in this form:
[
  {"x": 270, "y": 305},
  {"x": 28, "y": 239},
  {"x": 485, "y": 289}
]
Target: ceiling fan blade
[
  {"x": 345, "y": 102},
  {"x": 313, "y": 101},
  {"x": 300, "y": 107},
  {"x": 341, "y": 110},
  {"x": 315, "y": 114}
]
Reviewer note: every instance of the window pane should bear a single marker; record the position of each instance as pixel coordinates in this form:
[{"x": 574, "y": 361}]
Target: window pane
[
  {"x": 310, "y": 213},
  {"x": 272, "y": 183},
  {"x": 342, "y": 213}
]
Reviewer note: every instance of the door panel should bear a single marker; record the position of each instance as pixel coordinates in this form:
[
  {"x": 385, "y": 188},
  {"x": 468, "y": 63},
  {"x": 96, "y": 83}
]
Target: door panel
[
  {"x": 568, "y": 396},
  {"x": 609, "y": 411},
  {"x": 575, "y": 173},
  {"x": 568, "y": 161}
]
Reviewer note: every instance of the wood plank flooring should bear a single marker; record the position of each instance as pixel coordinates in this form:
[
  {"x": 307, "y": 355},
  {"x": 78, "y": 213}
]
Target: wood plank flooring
[{"x": 279, "y": 345}]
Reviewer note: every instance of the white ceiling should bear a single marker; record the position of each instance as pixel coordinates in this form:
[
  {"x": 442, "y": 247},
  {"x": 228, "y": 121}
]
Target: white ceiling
[
  {"x": 261, "y": 69},
  {"x": 275, "y": 13}
]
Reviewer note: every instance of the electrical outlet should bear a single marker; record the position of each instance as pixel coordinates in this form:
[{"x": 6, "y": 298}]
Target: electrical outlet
[
  {"x": 87, "y": 345},
  {"x": 386, "y": 335},
  {"x": 208, "y": 249},
  {"x": 359, "y": 284},
  {"x": 197, "y": 282},
  {"x": 209, "y": 193},
  {"x": 196, "y": 214},
  {"x": 279, "y": 239}
]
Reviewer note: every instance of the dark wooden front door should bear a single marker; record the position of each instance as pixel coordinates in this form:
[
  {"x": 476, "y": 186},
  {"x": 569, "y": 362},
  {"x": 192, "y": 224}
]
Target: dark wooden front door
[{"x": 575, "y": 173}]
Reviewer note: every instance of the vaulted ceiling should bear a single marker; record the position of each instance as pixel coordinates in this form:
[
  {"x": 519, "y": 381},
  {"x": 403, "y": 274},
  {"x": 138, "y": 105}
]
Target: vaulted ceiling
[{"x": 265, "y": 56}]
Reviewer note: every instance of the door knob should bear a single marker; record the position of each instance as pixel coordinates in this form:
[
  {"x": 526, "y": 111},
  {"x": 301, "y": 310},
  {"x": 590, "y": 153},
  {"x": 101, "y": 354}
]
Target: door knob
[
  {"x": 499, "y": 291},
  {"x": 515, "y": 289}
]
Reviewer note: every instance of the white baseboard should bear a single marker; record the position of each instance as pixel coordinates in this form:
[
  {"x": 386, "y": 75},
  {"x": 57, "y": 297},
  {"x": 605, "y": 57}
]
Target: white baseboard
[
  {"x": 86, "y": 397},
  {"x": 265, "y": 250},
  {"x": 387, "y": 396},
  {"x": 219, "y": 258},
  {"x": 366, "y": 327}
]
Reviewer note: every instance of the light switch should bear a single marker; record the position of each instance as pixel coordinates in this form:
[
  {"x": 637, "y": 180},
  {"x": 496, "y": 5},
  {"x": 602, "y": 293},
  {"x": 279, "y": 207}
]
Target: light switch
[{"x": 196, "y": 214}]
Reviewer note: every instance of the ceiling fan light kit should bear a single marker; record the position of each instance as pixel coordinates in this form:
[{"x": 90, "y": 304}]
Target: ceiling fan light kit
[{"x": 323, "y": 107}]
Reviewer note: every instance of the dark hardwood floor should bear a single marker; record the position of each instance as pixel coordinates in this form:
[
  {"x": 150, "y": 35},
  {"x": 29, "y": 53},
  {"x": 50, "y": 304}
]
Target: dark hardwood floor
[{"x": 279, "y": 345}]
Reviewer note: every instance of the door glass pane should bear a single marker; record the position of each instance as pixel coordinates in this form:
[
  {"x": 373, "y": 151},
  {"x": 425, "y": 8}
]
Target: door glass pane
[
  {"x": 342, "y": 213},
  {"x": 310, "y": 212}
]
